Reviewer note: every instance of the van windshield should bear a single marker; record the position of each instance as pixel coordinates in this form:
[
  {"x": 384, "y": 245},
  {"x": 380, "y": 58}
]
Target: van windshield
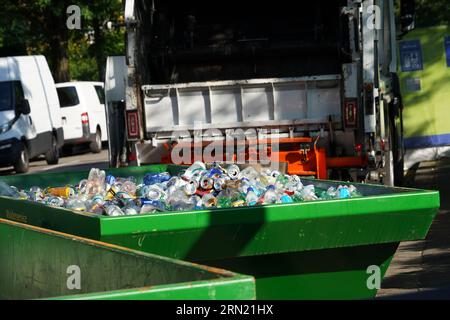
[
  {"x": 68, "y": 97},
  {"x": 6, "y": 96}
]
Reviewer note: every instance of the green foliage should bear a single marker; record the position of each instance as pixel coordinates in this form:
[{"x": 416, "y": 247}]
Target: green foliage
[
  {"x": 38, "y": 27},
  {"x": 432, "y": 13}
]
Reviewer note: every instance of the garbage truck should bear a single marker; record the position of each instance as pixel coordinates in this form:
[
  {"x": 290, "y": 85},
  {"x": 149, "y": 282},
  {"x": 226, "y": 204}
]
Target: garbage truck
[{"x": 312, "y": 87}]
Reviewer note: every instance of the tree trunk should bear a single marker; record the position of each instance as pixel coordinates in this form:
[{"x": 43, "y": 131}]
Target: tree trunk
[
  {"x": 59, "y": 42},
  {"x": 99, "y": 48}
]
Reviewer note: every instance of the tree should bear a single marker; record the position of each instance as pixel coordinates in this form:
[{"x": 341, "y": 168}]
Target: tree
[
  {"x": 432, "y": 13},
  {"x": 39, "y": 27}
]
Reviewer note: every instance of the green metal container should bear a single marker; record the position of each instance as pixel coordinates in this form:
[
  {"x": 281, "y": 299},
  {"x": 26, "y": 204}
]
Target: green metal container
[
  {"x": 310, "y": 250},
  {"x": 38, "y": 263}
]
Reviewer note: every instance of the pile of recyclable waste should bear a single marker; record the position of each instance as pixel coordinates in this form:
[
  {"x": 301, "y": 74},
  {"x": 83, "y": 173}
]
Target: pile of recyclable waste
[{"x": 197, "y": 188}]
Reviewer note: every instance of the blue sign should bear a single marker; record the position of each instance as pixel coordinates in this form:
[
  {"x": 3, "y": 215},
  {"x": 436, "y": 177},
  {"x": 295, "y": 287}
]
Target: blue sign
[
  {"x": 411, "y": 55},
  {"x": 447, "y": 49}
]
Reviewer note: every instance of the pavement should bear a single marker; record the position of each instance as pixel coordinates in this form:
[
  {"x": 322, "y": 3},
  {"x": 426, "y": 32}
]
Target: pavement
[{"x": 421, "y": 269}]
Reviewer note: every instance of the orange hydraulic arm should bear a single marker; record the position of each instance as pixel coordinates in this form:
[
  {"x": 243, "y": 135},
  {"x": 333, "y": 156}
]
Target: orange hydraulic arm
[{"x": 302, "y": 155}]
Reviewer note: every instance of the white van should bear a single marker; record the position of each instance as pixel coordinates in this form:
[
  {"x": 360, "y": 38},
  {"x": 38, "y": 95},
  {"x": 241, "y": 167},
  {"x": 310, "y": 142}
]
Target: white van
[
  {"x": 30, "y": 118},
  {"x": 83, "y": 113}
]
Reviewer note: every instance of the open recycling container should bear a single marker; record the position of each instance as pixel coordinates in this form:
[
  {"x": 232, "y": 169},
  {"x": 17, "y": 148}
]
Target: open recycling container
[
  {"x": 39, "y": 263},
  {"x": 324, "y": 249}
]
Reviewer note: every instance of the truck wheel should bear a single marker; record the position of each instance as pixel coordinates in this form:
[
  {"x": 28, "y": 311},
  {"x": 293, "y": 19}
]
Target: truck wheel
[
  {"x": 52, "y": 156},
  {"x": 96, "y": 145},
  {"x": 23, "y": 162}
]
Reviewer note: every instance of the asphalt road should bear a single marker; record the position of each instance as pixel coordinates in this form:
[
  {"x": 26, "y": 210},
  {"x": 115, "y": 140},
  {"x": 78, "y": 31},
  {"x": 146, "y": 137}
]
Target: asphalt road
[{"x": 80, "y": 159}]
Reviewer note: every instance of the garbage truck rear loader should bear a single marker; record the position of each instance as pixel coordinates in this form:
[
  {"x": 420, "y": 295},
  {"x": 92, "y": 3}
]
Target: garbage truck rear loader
[{"x": 310, "y": 86}]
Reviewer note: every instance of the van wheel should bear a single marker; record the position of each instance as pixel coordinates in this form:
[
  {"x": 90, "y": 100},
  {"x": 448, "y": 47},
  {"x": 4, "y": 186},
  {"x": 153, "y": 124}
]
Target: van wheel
[
  {"x": 23, "y": 162},
  {"x": 52, "y": 156},
  {"x": 96, "y": 145}
]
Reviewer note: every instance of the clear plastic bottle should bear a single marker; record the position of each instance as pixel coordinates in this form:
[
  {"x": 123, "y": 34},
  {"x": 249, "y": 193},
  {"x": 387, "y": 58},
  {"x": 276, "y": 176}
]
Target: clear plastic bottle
[
  {"x": 270, "y": 196},
  {"x": 209, "y": 201},
  {"x": 113, "y": 211},
  {"x": 224, "y": 198},
  {"x": 149, "y": 206},
  {"x": 219, "y": 183},
  {"x": 308, "y": 193},
  {"x": 155, "y": 192},
  {"x": 249, "y": 173},
  {"x": 179, "y": 201},
  {"x": 354, "y": 193},
  {"x": 195, "y": 169},
  {"x": 96, "y": 181},
  {"x": 251, "y": 198},
  {"x": 8, "y": 191},
  {"x": 153, "y": 178},
  {"x": 131, "y": 209},
  {"x": 76, "y": 204}
]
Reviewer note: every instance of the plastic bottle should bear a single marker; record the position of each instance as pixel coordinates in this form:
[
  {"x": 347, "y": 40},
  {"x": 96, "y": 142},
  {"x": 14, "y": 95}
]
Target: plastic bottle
[
  {"x": 113, "y": 211},
  {"x": 129, "y": 187},
  {"x": 54, "y": 201},
  {"x": 8, "y": 191},
  {"x": 354, "y": 193},
  {"x": 131, "y": 209},
  {"x": 150, "y": 206},
  {"x": 76, "y": 204},
  {"x": 270, "y": 195},
  {"x": 329, "y": 194},
  {"x": 155, "y": 192},
  {"x": 249, "y": 173},
  {"x": 219, "y": 183},
  {"x": 224, "y": 199},
  {"x": 96, "y": 181},
  {"x": 153, "y": 178},
  {"x": 179, "y": 201},
  {"x": 308, "y": 193},
  {"x": 286, "y": 199},
  {"x": 251, "y": 198},
  {"x": 195, "y": 169},
  {"x": 109, "y": 181},
  {"x": 209, "y": 201},
  {"x": 343, "y": 192}
]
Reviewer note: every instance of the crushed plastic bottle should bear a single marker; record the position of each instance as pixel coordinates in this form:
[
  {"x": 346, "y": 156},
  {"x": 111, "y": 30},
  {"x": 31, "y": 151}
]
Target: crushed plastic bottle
[
  {"x": 251, "y": 199},
  {"x": 199, "y": 187},
  {"x": 8, "y": 191}
]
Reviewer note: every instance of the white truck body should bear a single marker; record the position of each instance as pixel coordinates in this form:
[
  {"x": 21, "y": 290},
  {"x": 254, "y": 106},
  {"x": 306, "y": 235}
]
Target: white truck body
[{"x": 324, "y": 71}]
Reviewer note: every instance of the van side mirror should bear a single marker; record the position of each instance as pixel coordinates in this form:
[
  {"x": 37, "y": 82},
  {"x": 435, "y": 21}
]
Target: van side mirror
[
  {"x": 23, "y": 107},
  {"x": 407, "y": 15}
]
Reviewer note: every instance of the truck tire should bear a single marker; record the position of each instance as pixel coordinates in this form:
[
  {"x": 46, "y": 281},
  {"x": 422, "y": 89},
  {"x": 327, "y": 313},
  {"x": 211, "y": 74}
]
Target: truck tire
[
  {"x": 52, "y": 155},
  {"x": 22, "y": 164},
  {"x": 96, "y": 145}
]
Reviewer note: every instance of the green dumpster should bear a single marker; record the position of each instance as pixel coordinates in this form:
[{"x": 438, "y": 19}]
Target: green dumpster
[
  {"x": 312, "y": 250},
  {"x": 39, "y": 263}
]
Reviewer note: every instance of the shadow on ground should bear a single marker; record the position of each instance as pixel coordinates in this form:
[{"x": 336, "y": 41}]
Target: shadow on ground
[{"x": 421, "y": 269}]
